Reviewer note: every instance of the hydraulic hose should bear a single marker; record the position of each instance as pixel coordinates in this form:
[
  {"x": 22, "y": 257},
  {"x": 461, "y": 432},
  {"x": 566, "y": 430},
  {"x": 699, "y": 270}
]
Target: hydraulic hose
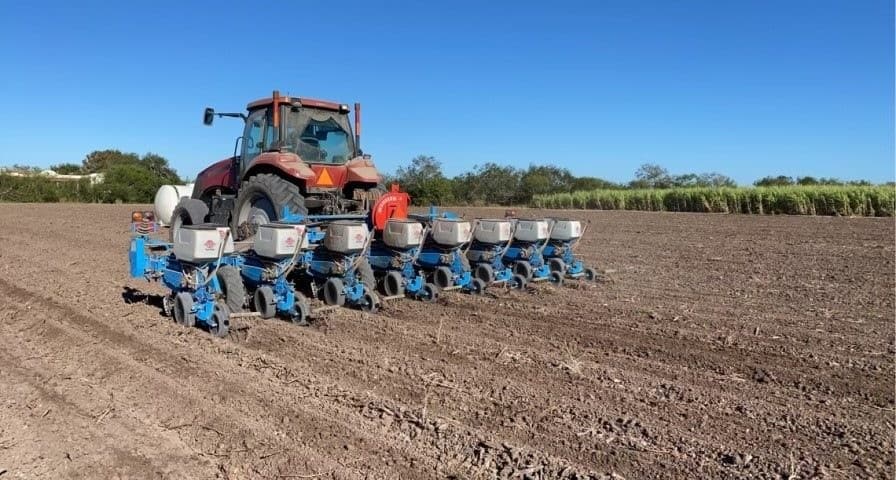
[
  {"x": 420, "y": 246},
  {"x": 295, "y": 254},
  {"x": 585, "y": 229},
  {"x": 510, "y": 240},
  {"x": 365, "y": 250},
  {"x": 472, "y": 233},
  {"x": 548, "y": 240}
]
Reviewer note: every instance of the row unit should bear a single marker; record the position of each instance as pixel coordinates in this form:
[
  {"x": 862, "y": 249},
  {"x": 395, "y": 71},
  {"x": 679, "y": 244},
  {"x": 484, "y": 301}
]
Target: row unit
[
  {"x": 196, "y": 243},
  {"x": 450, "y": 232}
]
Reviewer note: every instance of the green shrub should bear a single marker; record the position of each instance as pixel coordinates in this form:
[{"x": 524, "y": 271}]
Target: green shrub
[
  {"x": 128, "y": 177},
  {"x": 41, "y": 189}
]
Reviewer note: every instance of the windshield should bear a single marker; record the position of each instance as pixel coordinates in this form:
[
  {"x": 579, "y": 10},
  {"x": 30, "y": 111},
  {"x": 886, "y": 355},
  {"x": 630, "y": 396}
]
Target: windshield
[{"x": 317, "y": 135}]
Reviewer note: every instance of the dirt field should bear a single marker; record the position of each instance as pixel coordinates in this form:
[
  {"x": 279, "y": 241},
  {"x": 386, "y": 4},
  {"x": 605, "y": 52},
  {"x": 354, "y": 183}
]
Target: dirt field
[{"x": 719, "y": 347}]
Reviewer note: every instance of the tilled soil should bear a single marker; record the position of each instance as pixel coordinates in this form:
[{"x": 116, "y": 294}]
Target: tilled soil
[{"x": 715, "y": 347}]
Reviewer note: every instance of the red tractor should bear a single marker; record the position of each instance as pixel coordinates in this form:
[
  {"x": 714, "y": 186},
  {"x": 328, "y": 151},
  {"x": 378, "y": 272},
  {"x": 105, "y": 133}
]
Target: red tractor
[{"x": 295, "y": 153}]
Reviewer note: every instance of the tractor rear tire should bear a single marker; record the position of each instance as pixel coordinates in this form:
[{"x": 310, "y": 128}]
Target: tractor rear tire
[
  {"x": 368, "y": 202},
  {"x": 261, "y": 200},
  {"x": 232, "y": 287},
  {"x": 378, "y": 190},
  {"x": 189, "y": 211}
]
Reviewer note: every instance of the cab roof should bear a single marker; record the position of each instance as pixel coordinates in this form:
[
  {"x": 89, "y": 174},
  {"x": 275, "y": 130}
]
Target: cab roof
[{"x": 310, "y": 102}]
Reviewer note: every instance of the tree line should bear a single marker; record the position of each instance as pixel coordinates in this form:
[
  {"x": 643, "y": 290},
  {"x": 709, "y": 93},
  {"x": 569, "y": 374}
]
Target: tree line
[
  {"x": 127, "y": 177},
  {"x": 785, "y": 181},
  {"x": 486, "y": 184},
  {"x": 133, "y": 178},
  {"x": 493, "y": 184}
]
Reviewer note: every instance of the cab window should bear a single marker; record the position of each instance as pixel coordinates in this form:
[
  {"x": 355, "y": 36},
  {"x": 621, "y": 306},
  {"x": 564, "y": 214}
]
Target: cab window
[{"x": 252, "y": 139}]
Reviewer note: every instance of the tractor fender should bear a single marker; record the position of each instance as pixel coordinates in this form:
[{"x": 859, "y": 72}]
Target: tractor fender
[{"x": 362, "y": 170}]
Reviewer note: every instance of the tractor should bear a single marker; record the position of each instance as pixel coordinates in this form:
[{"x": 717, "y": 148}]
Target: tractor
[{"x": 295, "y": 154}]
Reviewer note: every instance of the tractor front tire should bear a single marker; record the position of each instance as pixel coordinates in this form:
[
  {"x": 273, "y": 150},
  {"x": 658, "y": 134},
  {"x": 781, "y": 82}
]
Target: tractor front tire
[
  {"x": 261, "y": 200},
  {"x": 189, "y": 211}
]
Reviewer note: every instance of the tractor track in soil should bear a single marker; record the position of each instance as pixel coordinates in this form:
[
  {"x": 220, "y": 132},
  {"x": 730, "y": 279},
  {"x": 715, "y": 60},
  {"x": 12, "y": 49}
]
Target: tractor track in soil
[{"x": 720, "y": 346}]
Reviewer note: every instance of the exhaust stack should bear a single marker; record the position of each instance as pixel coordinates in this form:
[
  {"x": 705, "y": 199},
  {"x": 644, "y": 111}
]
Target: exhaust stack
[
  {"x": 358, "y": 127},
  {"x": 276, "y": 108}
]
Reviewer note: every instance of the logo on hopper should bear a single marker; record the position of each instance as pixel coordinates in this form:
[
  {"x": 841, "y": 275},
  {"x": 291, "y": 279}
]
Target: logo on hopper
[
  {"x": 359, "y": 237},
  {"x": 290, "y": 242},
  {"x": 210, "y": 244}
]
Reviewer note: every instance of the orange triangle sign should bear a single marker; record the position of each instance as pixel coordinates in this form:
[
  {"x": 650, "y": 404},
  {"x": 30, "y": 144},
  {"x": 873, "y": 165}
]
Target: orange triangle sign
[{"x": 324, "y": 178}]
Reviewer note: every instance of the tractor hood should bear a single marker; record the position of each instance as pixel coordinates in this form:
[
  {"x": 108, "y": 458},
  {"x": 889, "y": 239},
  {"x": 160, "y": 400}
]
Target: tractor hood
[{"x": 218, "y": 175}]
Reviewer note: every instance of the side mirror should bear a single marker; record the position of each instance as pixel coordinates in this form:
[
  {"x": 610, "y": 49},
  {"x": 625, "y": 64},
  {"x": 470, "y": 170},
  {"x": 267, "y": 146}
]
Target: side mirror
[{"x": 209, "y": 116}]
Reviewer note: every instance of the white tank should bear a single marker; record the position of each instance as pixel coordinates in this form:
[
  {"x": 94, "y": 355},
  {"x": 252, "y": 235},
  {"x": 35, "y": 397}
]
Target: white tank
[
  {"x": 279, "y": 240},
  {"x": 566, "y": 230},
  {"x": 402, "y": 233},
  {"x": 450, "y": 232},
  {"x": 345, "y": 236},
  {"x": 166, "y": 199},
  {"x": 493, "y": 231},
  {"x": 532, "y": 230},
  {"x": 202, "y": 243}
]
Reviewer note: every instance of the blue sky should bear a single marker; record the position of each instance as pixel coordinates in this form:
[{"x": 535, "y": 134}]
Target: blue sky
[{"x": 746, "y": 88}]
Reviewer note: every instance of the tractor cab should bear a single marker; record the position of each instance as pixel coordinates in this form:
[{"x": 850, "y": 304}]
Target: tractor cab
[
  {"x": 295, "y": 153},
  {"x": 318, "y": 132}
]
